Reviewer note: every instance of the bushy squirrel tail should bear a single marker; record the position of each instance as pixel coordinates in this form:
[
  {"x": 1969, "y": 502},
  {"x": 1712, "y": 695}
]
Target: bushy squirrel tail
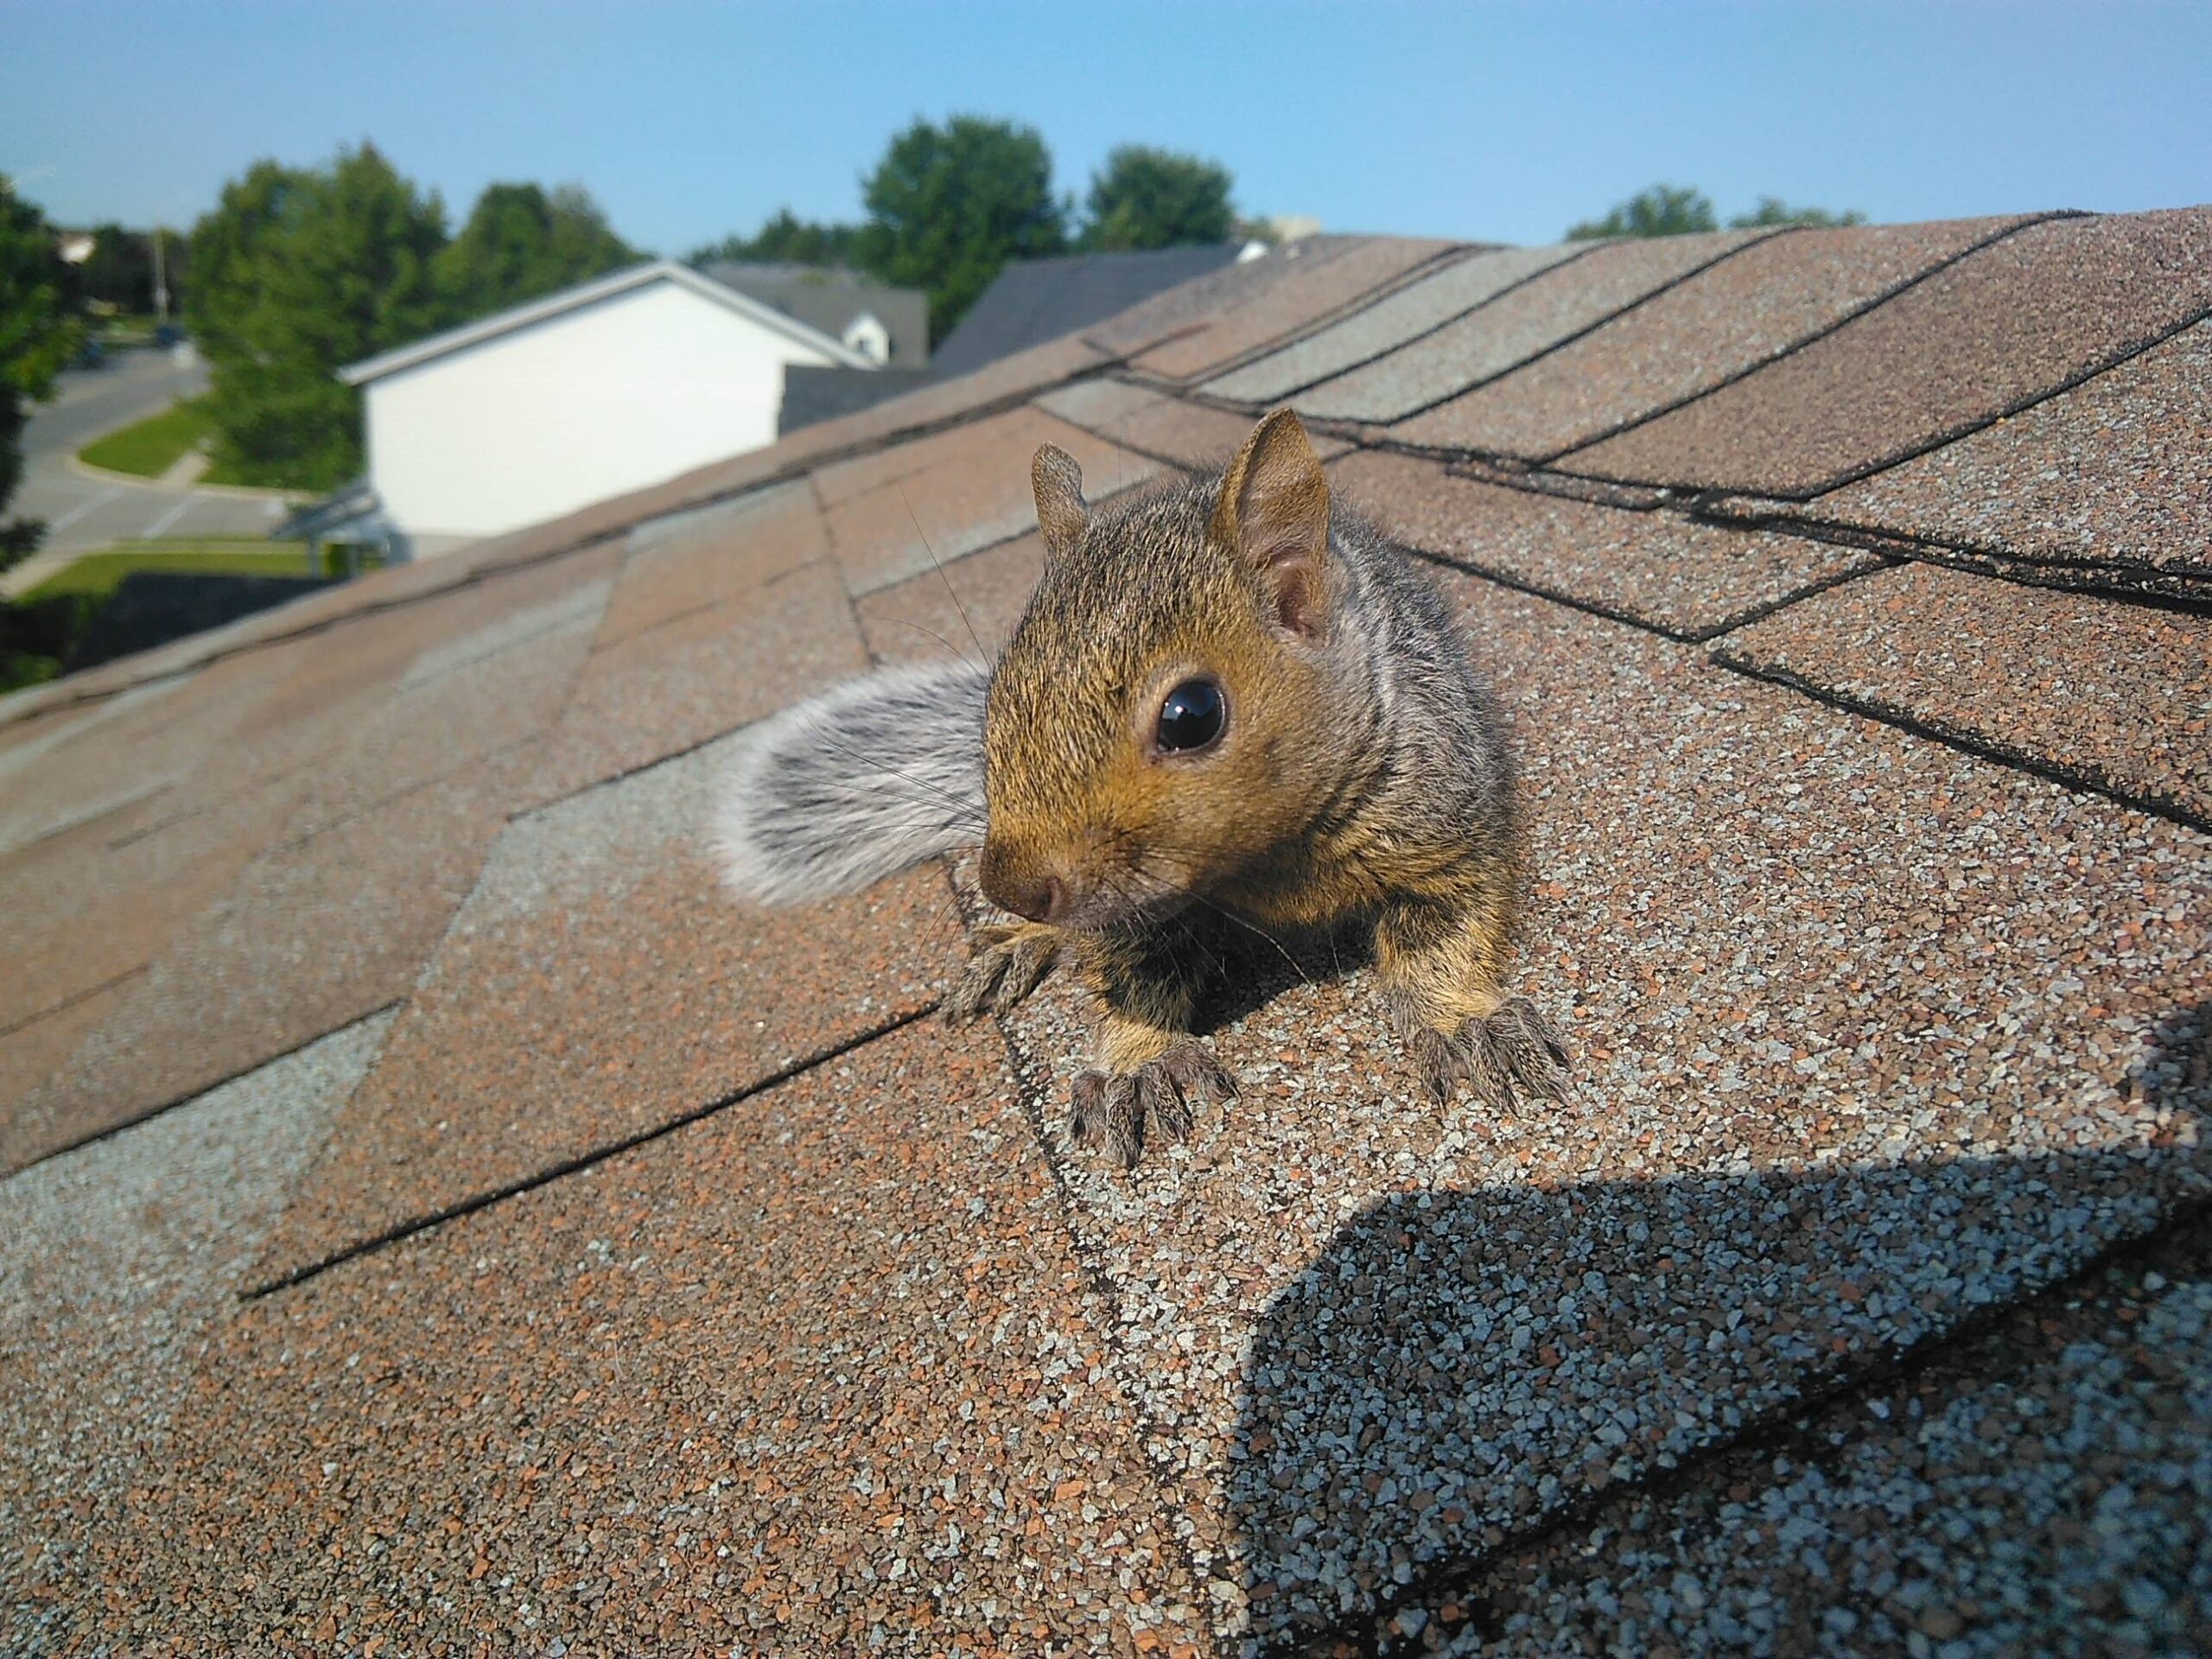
[{"x": 860, "y": 783}]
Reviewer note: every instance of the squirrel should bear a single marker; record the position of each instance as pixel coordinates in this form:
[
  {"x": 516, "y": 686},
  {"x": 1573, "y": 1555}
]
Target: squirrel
[{"x": 1229, "y": 698}]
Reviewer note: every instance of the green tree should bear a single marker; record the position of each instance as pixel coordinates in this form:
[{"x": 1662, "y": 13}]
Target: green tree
[
  {"x": 295, "y": 273},
  {"x": 1662, "y": 210},
  {"x": 948, "y": 206},
  {"x": 119, "y": 270},
  {"x": 520, "y": 243},
  {"x": 1147, "y": 198},
  {"x": 785, "y": 238},
  {"x": 39, "y": 334},
  {"x": 1772, "y": 210}
]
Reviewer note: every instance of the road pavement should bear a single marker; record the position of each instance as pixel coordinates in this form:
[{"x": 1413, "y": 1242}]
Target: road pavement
[{"x": 84, "y": 510}]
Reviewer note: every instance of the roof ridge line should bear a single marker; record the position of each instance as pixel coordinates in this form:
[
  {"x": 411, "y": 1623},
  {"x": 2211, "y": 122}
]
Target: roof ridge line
[{"x": 1451, "y": 254}]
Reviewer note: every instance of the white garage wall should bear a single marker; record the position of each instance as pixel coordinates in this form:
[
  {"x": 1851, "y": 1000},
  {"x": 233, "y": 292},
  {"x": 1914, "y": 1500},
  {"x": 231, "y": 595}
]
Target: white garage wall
[{"x": 590, "y": 404}]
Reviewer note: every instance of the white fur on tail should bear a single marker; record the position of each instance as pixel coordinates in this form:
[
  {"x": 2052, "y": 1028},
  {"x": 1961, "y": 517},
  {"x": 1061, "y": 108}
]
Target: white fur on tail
[{"x": 855, "y": 785}]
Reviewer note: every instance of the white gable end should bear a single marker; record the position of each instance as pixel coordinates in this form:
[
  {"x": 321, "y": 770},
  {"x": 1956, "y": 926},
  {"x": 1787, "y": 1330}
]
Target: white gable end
[{"x": 587, "y": 403}]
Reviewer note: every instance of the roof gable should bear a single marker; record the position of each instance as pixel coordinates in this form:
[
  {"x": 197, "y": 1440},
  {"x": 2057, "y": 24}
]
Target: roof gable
[{"x": 585, "y": 295}]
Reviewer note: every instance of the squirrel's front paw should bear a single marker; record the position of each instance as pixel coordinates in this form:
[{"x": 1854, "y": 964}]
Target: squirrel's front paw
[
  {"x": 1005, "y": 965},
  {"x": 1507, "y": 1055},
  {"x": 1120, "y": 1107}
]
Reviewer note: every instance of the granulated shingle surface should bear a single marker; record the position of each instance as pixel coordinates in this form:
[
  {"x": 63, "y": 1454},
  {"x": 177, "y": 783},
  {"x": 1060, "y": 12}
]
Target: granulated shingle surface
[
  {"x": 1711, "y": 327},
  {"x": 1188, "y": 434},
  {"x": 2051, "y": 1501},
  {"x": 817, "y": 1375},
  {"x": 939, "y": 498},
  {"x": 1688, "y": 579},
  {"x": 768, "y": 1325},
  {"x": 96, "y": 902},
  {"x": 1849, "y": 1068},
  {"x": 117, "y": 1262},
  {"x": 310, "y": 936},
  {"x": 2116, "y": 473},
  {"x": 966, "y": 610},
  {"x": 1516, "y": 327},
  {"x": 595, "y": 986},
  {"x": 1195, "y": 305},
  {"x": 2011, "y": 323},
  {"x": 665, "y": 690},
  {"x": 1310, "y": 292},
  {"x": 1390, "y": 322},
  {"x": 2117, "y": 694},
  {"x": 707, "y": 555}
]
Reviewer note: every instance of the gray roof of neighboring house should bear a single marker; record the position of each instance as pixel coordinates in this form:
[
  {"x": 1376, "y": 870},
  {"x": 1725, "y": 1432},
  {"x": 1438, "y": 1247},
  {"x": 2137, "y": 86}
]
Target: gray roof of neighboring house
[
  {"x": 1036, "y": 299},
  {"x": 813, "y": 394},
  {"x": 830, "y": 298}
]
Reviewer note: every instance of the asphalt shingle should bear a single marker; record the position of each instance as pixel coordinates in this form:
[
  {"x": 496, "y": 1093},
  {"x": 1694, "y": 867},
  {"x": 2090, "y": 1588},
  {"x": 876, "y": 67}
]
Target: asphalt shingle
[
  {"x": 596, "y": 987},
  {"x": 2011, "y": 323},
  {"x": 1713, "y": 327},
  {"x": 1314, "y": 289},
  {"x": 1414, "y": 311},
  {"x": 2115, "y": 696},
  {"x": 896, "y": 513},
  {"x": 814, "y": 1375},
  {"x": 1525, "y": 322},
  {"x": 1686, "y": 579},
  {"x": 1850, "y": 1069},
  {"x": 2111, "y": 481}
]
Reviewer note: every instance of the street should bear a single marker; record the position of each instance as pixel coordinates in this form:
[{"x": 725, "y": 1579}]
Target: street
[{"x": 84, "y": 510}]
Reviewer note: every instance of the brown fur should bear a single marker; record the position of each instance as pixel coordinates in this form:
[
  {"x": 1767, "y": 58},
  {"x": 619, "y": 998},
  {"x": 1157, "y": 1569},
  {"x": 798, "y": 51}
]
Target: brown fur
[{"x": 1362, "y": 774}]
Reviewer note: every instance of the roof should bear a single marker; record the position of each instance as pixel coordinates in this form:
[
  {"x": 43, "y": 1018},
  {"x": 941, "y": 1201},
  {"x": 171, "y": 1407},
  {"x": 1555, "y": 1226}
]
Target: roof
[
  {"x": 437, "y": 1220},
  {"x": 571, "y": 300},
  {"x": 832, "y": 299},
  {"x": 813, "y": 394},
  {"x": 1031, "y": 301}
]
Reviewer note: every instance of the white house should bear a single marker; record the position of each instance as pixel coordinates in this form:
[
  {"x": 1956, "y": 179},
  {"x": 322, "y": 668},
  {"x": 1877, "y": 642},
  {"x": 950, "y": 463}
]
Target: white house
[{"x": 586, "y": 394}]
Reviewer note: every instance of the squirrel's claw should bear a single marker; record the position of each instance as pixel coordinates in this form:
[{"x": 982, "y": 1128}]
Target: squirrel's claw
[
  {"x": 1506, "y": 1056},
  {"x": 1007, "y": 964},
  {"x": 1120, "y": 1107}
]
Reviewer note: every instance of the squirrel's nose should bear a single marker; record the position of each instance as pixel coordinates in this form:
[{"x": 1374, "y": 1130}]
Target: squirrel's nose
[{"x": 1031, "y": 892}]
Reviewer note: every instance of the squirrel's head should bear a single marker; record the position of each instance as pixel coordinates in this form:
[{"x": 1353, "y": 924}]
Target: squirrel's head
[{"x": 1151, "y": 729}]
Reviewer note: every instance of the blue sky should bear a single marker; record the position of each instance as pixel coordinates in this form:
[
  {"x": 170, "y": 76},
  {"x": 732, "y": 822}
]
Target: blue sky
[{"x": 1500, "y": 121}]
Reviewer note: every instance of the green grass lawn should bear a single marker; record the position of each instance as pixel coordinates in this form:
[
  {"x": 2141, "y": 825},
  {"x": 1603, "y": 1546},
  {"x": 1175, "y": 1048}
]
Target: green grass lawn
[
  {"x": 150, "y": 447},
  {"x": 96, "y": 574}
]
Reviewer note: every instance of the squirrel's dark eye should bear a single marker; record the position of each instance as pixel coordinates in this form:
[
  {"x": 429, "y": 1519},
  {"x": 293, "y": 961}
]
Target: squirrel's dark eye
[{"x": 1191, "y": 718}]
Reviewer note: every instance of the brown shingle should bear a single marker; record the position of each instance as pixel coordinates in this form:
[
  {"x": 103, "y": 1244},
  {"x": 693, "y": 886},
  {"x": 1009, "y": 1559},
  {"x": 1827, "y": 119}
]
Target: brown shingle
[
  {"x": 966, "y": 610},
  {"x": 598, "y": 985},
  {"x": 1412, "y": 310},
  {"x": 817, "y": 1372},
  {"x": 1516, "y": 326},
  {"x": 1313, "y": 291},
  {"x": 1853, "y": 1062},
  {"x": 2119, "y": 695},
  {"x": 1197, "y": 304},
  {"x": 1686, "y": 579},
  {"x": 941, "y": 497},
  {"x": 705, "y": 556},
  {"x": 1185, "y": 434},
  {"x": 1711, "y": 327},
  {"x": 2009, "y": 324},
  {"x": 309, "y": 937},
  {"x": 667, "y": 689},
  {"x": 2114, "y": 478}
]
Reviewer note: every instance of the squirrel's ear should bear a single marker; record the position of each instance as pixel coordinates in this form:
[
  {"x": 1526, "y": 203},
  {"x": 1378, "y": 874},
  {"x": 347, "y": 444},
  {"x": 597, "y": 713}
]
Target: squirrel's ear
[
  {"x": 1274, "y": 512},
  {"x": 1060, "y": 512}
]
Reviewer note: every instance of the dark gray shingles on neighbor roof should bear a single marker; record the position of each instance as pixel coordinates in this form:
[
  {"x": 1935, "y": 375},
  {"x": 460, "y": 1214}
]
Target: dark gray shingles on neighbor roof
[
  {"x": 763, "y": 1321},
  {"x": 1033, "y": 301}
]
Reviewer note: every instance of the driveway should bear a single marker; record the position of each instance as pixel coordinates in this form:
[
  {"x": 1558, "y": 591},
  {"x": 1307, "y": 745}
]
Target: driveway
[{"x": 84, "y": 510}]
